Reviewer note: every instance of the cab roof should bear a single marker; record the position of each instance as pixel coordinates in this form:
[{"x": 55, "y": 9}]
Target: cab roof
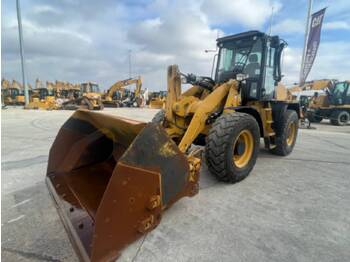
[{"x": 240, "y": 36}]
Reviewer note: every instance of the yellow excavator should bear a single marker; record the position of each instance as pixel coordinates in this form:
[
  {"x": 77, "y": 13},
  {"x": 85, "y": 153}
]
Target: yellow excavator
[
  {"x": 112, "y": 177},
  {"x": 119, "y": 96},
  {"x": 333, "y": 105}
]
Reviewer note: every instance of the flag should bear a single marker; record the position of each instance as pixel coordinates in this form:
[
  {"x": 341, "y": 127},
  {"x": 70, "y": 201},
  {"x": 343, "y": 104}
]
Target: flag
[{"x": 312, "y": 43}]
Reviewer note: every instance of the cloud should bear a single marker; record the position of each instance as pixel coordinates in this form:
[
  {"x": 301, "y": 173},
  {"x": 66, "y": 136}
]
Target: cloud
[
  {"x": 167, "y": 39},
  {"x": 252, "y": 13},
  {"x": 337, "y": 25},
  {"x": 289, "y": 26},
  {"x": 89, "y": 40},
  {"x": 329, "y": 63}
]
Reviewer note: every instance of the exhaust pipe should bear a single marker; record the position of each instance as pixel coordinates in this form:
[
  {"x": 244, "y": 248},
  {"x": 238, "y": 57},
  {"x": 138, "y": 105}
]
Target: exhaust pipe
[{"x": 111, "y": 178}]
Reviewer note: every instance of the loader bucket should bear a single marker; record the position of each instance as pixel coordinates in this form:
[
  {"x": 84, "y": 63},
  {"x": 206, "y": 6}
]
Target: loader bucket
[{"x": 111, "y": 178}]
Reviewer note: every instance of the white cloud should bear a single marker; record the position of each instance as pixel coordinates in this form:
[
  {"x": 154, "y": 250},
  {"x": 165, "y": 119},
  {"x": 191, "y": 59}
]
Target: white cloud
[
  {"x": 291, "y": 65},
  {"x": 332, "y": 61},
  {"x": 249, "y": 13},
  {"x": 289, "y": 26},
  {"x": 167, "y": 40},
  {"x": 337, "y": 25},
  {"x": 68, "y": 40}
]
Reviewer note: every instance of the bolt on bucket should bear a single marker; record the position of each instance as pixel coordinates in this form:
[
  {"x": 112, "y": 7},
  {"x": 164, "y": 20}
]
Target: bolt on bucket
[{"x": 111, "y": 178}]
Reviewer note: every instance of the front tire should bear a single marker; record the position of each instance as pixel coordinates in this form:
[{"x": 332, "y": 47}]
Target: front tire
[
  {"x": 232, "y": 146},
  {"x": 313, "y": 118},
  {"x": 286, "y": 133}
]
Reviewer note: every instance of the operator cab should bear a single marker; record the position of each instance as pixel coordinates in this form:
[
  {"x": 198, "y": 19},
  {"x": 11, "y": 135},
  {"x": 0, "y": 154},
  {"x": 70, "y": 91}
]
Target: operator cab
[
  {"x": 44, "y": 92},
  {"x": 340, "y": 93},
  {"x": 90, "y": 88},
  {"x": 256, "y": 56}
]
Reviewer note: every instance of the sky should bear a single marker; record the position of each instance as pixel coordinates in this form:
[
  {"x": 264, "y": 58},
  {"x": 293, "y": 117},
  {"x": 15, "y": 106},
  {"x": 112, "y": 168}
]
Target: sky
[{"x": 78, "y": 41}]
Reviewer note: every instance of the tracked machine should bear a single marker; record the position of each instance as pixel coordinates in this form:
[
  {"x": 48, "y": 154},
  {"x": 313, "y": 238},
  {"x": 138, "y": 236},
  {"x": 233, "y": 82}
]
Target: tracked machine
[
  {"x": 119, "y": 96},
  {"x": 89, "y": 98},
  {"x": 112, "y": 178}
]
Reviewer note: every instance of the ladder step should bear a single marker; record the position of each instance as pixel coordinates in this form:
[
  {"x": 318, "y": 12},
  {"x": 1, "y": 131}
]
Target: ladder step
[
  {"x": 271, "y": 134},
  {"x": 267, "y": 109},
  {"x": 269, "y": 121}
]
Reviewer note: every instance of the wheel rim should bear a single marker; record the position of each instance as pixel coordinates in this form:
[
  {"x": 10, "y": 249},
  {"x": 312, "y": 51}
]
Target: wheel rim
[
  {"x": 243, "y": 148},
  {"x": 291, "y": 133},
  {"x": 344, "y": 118}
]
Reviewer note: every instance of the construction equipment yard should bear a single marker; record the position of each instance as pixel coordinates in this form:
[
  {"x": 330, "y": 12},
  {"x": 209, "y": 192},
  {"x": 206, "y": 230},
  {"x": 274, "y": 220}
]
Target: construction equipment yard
[{"x": 295, "y": 208}]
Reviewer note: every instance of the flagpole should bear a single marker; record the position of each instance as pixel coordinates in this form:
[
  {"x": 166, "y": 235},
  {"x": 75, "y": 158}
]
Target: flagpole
[
  {"x": 305, "y": 39},
  {"x": 19, "y": 20}
]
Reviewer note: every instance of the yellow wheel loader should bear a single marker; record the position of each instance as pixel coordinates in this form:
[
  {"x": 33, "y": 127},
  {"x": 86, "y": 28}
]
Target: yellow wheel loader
[
  {"x": 118, "y": 96},
  {"x": 112, "y": 178},
  {"x": 90, "y": 98},
  {"x": 157, "y": 100},
  {"x": 333, "y": 105},
  {"x": 43, "y": 97},
  {"x": 13, "y": 93}
]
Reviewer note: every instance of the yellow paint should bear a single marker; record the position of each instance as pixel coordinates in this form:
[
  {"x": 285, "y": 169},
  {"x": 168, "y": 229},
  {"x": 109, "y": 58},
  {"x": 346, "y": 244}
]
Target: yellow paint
[{"x": 246, "y": 139}]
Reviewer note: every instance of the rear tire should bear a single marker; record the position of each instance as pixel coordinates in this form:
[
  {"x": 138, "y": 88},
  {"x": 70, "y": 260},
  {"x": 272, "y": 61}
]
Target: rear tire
[
  {"x": 340, "y": 118},
  {"x": 232, "y": 146},
  {"x": 286, "y": 133}
]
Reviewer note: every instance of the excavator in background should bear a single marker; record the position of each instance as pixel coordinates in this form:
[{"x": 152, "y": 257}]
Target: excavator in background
[
  {"x": 157, "y": 100},
  {"x": 119, "y": 96},
  {"x": 89, "y": 98},
  {"x": 320, "y": 84},
  {"x": 334, "y": 104},
  {"x": 112, "y": 177}
]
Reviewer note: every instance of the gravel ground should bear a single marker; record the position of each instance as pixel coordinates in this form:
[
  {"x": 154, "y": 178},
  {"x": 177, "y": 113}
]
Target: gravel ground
[{"x": 295, "y": 208}]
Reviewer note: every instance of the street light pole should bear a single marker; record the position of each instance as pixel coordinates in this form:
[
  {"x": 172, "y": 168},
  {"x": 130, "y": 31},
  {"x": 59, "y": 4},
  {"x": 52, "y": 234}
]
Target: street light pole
[
  {"x": 129, "y": 57},
  {"x": 20, "y": 33},
  {"x": 305, "y": 38}
]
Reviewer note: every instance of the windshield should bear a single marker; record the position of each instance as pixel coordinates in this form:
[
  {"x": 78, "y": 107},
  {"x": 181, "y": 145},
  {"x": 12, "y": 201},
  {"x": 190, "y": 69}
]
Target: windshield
[
  {"x": 94, "y": 88},
  {"x": 242, "y": 55},
  {"x": 90, "y": 88},
  {"x": 339, "y": 89}
]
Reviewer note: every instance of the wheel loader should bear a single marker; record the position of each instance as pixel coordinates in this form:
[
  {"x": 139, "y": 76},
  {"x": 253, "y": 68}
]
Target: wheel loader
[
  {"x": 13, "y": 93},
  {"x": 157, "y": 100},
  {"x": 90, "y": 98},
  {"x": 333, "y": 105},
  {"x": 112, "y": 177},
  {"x": 117, "y": 95},
  {"x": 43, "y": 97}
]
